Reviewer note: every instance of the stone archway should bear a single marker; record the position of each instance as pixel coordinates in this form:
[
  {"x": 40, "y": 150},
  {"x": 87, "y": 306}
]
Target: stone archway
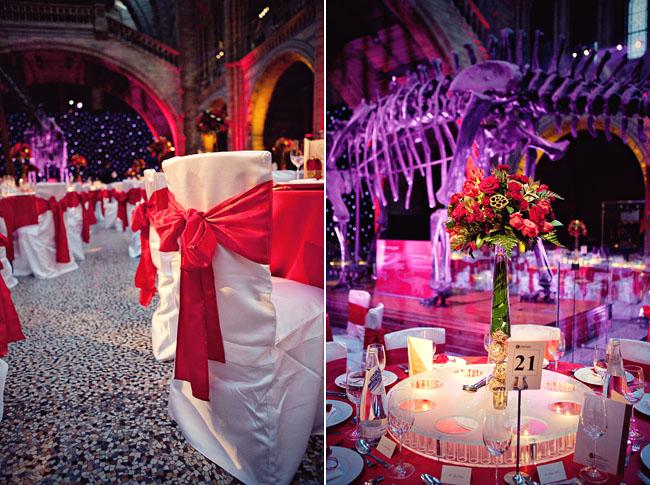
[
  {"x": 42, "y": 63},
  {"x": 263, "y": 92}
]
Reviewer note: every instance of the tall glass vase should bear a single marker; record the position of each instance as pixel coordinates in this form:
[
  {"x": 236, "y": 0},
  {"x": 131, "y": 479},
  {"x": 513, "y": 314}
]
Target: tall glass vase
[{"x": 499, "y": 328}]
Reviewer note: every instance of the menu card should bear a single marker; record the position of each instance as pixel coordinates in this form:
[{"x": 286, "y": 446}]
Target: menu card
[
  {"x": 420, "y": 355},
  {"x": 611, "y": 447}
]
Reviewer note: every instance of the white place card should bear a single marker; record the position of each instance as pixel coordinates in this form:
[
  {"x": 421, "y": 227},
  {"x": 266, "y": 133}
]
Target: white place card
[
  {"x": 611, "y": 447},
  {"x": 551, "y": 472},
  {"x": 524, "y": 365},
  {"x": 420, "y": 355},
  {"x": 386, "y": 446},
  {"x": 456, "y": 475}
]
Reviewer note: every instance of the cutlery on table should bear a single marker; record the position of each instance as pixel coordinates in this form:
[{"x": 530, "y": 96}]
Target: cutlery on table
[
  {"x": 372, "y": 481},
  {"x": 336, "y": 393},
  {"x": 363, "y": 448},
  {"x": 429, "y": 479}
]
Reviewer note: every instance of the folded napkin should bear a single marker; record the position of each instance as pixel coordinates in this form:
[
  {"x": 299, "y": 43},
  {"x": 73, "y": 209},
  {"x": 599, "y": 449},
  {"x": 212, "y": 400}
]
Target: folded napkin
[
  {"x": 280, "y": 176},
  {"x": 420, "y": 355}
]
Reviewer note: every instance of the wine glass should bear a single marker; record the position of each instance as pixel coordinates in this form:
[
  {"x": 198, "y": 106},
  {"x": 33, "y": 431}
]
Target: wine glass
[
  {"x": 380, "y": 352},
  {"x": 558, "y": 350},
  {"x": 497, "y": 437},
  {"x": 296, "y": 156},
  {"x": 600, "y": 360},
  {"x": 594, "y": 423},
  {"x": 487, "y": 342},
  {"x": 354, "y": 379},
  {"x": 635, "y": 391},
  {"x": 401, "y": 416}
]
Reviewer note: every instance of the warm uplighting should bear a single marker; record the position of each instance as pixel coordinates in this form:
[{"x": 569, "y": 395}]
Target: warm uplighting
[
  {"x": 586, "y": 52},
  {"x": 263, "y": 13},
  {"x": 219, "y": 55}
]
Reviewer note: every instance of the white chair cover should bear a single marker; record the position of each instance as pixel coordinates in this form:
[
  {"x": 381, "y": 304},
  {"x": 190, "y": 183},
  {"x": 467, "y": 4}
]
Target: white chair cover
[
  {"x": 6, "y": 272},
  {"x": 3, "y": 377},
  {"x": 73, "y": 223},
  {"x": 34, "y": 246},
  {"x": 399, "y": 339},
  {"x": 636, "y": 351},
  {"x": 110, "y": 208},
  {"x": 164, "y": 321},
  {"x": 265, "y": 397},
  {"x": 134, "y": 237},
  {"x": 375, "y": 317},
  {"x": 335, "y": 351},
  {"x": 532, "y": 332},
  {"x": 362, "y": 298}
]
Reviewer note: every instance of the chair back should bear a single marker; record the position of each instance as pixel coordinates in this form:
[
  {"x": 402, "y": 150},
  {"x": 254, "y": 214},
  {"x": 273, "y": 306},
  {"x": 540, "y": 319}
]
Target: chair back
[
  {"x": 534, "y": 332},
  {"x": 243, "y": 287},
  {"x": 335, "y": 351},
  {"x": 153, "y": 181},
  {"x": 375, "y": 317},
  {"x": 396, "y": 343},
  {"x": 45, "y": 190},
  {"x": 636, "y": 352}
]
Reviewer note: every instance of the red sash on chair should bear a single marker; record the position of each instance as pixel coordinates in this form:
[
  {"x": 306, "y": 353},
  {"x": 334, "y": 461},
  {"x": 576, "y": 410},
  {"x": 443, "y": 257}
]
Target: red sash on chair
[
  {"x": 60, "y": 236},
  {"x": 122, "y": 198},
  {"x": 357, "y": 314},
  {"x": 329, "y": 337},
  {"x": 145, "y": 275},
  {"x": 9, "y": 323},
  {"x": 240, "y": 224}
]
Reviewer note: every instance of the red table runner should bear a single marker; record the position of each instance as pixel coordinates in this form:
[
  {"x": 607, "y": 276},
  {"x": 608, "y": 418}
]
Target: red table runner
[
  {"x": 479, "y": 474},
  {"x": 297, "y": 236}
]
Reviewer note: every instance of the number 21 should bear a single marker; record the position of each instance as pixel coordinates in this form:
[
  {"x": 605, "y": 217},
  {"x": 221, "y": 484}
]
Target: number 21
[{"x": 520, "y": 362}]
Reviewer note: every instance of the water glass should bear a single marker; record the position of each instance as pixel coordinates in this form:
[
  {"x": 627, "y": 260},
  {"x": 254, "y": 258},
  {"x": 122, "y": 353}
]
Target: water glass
[
  {"x": 600, "y": 360},
  {"x": 354, "y": 379},
  {"x": 559, "y": 349},
  {"x": 401, "y": 416},
  {"x": 594, "y": 423},
  {"x": 497, "y": 437},
  {"x": 635, "y": 391}
]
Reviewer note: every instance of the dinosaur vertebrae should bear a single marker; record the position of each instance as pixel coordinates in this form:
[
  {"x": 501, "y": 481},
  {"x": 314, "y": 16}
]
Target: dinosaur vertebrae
[{"x": 412, "y": 128}]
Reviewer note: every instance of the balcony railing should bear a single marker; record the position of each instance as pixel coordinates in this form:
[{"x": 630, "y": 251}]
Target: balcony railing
[{"x": 81, "y": 16}]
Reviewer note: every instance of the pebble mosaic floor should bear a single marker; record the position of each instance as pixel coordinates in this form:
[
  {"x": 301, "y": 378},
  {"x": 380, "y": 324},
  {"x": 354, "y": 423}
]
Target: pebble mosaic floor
[{"x": 85, "y": 400}]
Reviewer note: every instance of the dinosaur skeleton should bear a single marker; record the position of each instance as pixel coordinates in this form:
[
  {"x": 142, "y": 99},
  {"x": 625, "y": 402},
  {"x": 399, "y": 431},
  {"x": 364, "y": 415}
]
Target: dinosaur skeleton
[{"x": 484, "y": 114}]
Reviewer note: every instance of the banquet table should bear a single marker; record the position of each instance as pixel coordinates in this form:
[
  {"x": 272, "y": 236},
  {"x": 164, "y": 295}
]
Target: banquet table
[
  {"x": 336, "y": 436},
  {"x": 297, "y": 236}
]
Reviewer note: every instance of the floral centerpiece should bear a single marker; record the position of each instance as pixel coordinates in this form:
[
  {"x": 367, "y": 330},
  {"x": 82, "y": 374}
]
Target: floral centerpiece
[
  {"x": 20, "y": 152},
  {"x": 161, "y": 148},
  {"x": 502, "y": 211},
  {"x": 576, "y": 228},
  {"x": 136, "y": 168}
]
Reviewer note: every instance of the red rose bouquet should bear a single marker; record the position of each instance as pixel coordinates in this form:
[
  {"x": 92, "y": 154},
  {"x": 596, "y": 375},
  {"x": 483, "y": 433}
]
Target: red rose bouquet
[
  {"x": 20, "y": 151},
  {"x": 78, "y": 160},
  {"x": 161, "y": 148},
  {"x": 501, "y": 210}
]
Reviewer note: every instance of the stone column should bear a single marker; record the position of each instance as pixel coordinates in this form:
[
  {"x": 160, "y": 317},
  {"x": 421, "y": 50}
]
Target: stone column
[
  {"x": 188, "y": 48},
  {"x": 319, "y": 71},
  {"x": 561, "y": 22},
  {"x": 234, "y": 13}
]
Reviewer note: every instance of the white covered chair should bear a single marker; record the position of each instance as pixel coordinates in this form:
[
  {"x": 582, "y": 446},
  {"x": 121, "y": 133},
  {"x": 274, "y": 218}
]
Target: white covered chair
[
  {"x": 164, "y": 321},
  {"x": 134, "y": 237},
  {"x": 636, "y": 352},
  {"x": 110, "y": 207},
  {"x": 335, "y": 351},
  {"x": 399, "y": 339},
  {"x": 6, "y": 272},
  {"x": 375, "y": 317},
  {"x": 35, "y": 247},
  {"x": 3, "y": 378},
  {"x": 264, "y": 399},
  {"x": 73, "y": 222},
  {"x": 358, "y": 308}
]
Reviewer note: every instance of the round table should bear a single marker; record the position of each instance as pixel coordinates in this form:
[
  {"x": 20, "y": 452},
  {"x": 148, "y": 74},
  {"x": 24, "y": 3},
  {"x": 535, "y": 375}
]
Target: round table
[{"x": 336, "y": 436}]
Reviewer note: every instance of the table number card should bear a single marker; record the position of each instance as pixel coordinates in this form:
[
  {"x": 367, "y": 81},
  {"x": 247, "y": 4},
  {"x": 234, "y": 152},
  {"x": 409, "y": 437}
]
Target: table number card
[
  {"x": 386, "y": 446},
  {"x": 456, "y": 475},
  {"x": 611, "y": 447},
  {"x": 420, "y": 355},
  {"x": 524, "y": 365},
  {"x": 551, "y": 472}
]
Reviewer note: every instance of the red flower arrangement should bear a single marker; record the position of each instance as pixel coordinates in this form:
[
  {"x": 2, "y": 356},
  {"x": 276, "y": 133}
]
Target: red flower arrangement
[
  {"x": 78, "y": 160},
  {"x": 136, "y": 168},
  {"x": 577, "y": 228},
  {"x": 502, "y": 210},
  {"x": 211, "y": 121},
  {"x": 20, "y": 151},
  {"x": 161, "y": 148}
]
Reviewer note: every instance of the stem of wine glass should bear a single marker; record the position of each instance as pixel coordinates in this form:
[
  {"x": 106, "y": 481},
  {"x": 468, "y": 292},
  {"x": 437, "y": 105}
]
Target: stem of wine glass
[
  {"x": 496, "y": 470},
  {"x": 399, "y": 452},
  {"x": 557, "y": 361},
  {"x": 356, "y": 415},
  {"x": 593, "y": 461}
]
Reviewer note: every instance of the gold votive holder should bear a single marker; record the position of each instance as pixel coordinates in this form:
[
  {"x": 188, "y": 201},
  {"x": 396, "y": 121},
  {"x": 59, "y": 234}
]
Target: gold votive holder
[{"x": 499, "y": 398}]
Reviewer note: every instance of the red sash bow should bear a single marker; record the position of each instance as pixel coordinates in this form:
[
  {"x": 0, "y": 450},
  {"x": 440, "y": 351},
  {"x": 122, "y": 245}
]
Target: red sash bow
[
  {"x": 60, "y": 236},
  {"x": 357, "y": 314},
  {"x": 240, "y": 224},
  {"x": 145, "y": 275},
  {"x": 86, "y": 210},
  {"x": 9, "y": 324},
  {"x": 122, "y": 198}
]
